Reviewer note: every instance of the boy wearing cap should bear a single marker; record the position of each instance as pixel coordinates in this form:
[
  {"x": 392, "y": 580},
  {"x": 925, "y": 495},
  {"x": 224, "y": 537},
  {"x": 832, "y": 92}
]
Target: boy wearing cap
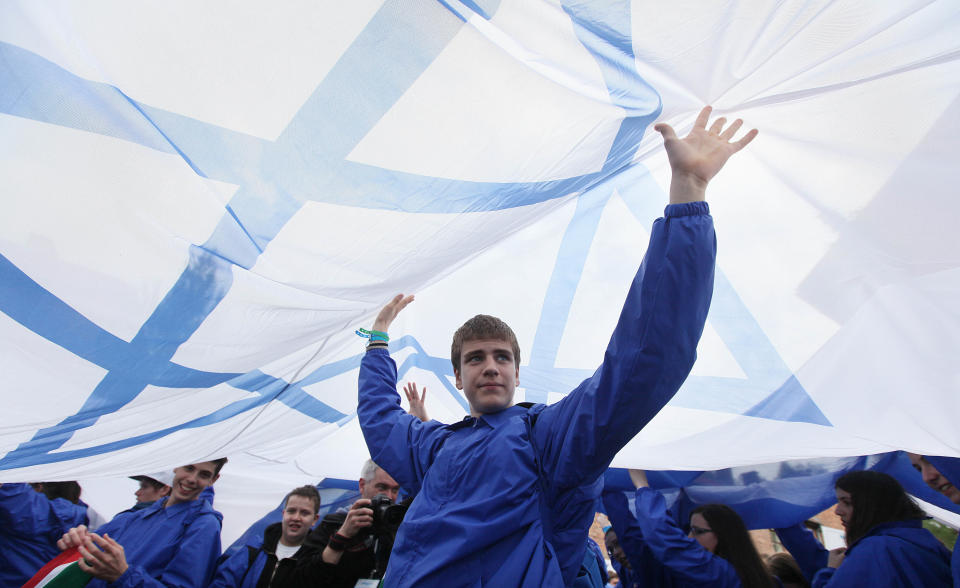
[{"x": 152, "y": 488}]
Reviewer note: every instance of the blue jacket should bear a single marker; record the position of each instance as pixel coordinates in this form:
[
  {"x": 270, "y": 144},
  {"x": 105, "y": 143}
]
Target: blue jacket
[
  {"x": 30, "y": 525},
  {"x": 901, "y": 553},
  {"x": 593, "y": 570},
  {"x": 809, "y": 554},
  {"x": 237, "y": 571},
  {"x": 625, "y": 576},
  {"x": 949, "y": 467},
  {"x": 645, "y": 569},
  {"x": 176, "y": 546},
  {"x": 686, "y": 561},
  {"x": 506, "y": 499}
]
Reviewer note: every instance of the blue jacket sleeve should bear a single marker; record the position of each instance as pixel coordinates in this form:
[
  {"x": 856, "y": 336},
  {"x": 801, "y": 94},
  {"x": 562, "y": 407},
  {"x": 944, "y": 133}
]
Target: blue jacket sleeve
[
  {"x": 28, "y": 513},
  {"x": 650, "y": 353},
  {"x": 398, "y": 442},
  {"x": 688, "y": 562},
  {"x": 645, "y": 569},
  {"x": 950, "y": 468},
  {"x": 809, "y": 554},
  {"x": 192, "y": 563}
]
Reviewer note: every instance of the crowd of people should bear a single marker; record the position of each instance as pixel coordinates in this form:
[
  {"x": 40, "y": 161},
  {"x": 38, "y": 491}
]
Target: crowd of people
[
  {"x": 504, "y": 497},
  {"x": 149, "y": 545}
]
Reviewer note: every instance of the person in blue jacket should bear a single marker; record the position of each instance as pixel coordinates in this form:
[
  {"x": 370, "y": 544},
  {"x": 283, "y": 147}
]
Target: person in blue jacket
[
  {"x": 943, "y": 475},
  {"x": 32, "y": 519},
  {"x": 807, "y": 552},
  {"x": 506, "y": 496},
  {"x": 718, "y": 551},
  {"x": 593, "y": 570},
  {"x": 152, "y": 488},
  {"x": 269, "y": 560},
  {"x": 887, "y": 545},
  {"x": 639, "y": 569},
  {"x": 174, "y": 542}
]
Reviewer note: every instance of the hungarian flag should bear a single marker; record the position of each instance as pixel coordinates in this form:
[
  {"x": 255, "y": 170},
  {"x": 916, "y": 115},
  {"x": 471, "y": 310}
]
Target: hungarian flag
[{"x": 62, "y": 571}]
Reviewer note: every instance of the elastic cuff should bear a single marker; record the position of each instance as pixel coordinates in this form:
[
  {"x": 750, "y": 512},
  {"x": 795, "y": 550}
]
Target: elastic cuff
[
  {"x": 686, "y": 209},
  {"x": 122, "y": 580}
]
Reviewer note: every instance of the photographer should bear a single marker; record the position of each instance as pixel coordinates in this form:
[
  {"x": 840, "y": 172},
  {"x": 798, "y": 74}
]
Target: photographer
[{"x": 355, "y": 542}]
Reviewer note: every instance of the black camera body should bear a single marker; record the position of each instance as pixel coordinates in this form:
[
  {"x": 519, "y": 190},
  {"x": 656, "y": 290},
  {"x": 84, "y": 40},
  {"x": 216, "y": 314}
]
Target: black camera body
[{"x": 387, "y": 516}]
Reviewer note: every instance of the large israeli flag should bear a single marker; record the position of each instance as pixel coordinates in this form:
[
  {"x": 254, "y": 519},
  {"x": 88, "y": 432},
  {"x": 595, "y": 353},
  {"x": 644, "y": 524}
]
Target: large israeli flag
[{"x": 202, "y": 201}]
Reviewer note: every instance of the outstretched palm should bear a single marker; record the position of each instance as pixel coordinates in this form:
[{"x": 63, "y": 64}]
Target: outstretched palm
[
  {"x": 698, "y": 157},
  {"x": 390, "y": 312}
]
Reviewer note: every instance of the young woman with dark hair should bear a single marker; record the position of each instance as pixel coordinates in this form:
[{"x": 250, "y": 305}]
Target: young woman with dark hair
[
  {"x": 787, "y": 570},
  {"x": 718, "y": 551},
  {"x": 886, "y": 542},
  {"x": 53, "y": 490},
  {"x": 730, "y": 540}
]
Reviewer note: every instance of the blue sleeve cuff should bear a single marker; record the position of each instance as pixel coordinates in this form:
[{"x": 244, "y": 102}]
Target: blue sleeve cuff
[
  {"x": 379, "y": 351},
  {"x": 686, "y": 209},
  {"x": 123, "y": 579}
]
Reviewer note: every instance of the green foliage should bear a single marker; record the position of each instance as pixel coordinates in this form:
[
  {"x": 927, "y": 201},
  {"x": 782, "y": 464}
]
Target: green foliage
[{"x": 945, "y": 534}]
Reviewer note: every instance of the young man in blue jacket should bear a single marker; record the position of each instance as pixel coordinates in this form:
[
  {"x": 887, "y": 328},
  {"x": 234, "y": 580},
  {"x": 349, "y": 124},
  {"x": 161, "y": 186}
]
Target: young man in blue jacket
[
  {"x": 943, "y": 475},
  {"x": 507, "y": 495},
  {"x": 270, "y": 559},
  {"x": 174, "y": 542}
]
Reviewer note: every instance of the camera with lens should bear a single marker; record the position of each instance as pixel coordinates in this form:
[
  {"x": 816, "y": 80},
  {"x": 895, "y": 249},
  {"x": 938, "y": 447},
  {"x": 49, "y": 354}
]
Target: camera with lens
[{"x": 387, "y": 516}]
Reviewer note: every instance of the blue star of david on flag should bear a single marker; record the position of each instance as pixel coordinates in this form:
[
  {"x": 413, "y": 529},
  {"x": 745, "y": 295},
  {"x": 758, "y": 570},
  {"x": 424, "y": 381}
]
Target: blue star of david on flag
[{"x": 309, "y": 162}]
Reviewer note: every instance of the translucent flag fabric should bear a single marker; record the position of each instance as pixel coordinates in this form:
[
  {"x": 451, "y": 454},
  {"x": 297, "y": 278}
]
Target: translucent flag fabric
[{"x": 202, "y": 202}]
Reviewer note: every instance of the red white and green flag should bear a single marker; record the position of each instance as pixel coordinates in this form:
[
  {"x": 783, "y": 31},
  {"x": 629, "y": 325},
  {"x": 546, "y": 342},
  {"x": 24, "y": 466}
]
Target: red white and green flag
[{"x": 62, "y": 571}]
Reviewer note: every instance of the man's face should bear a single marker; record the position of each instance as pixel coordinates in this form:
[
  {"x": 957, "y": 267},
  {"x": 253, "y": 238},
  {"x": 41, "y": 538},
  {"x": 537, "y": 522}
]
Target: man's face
[
  {"x": 488, "y": 375},
  {"x": 934, "y": 478},
  {"x": 298, "y": 516},
  {"x": 150, "y": 493},
  {"x": 190, "y": 480},
  {"x": 381, "y": 483},
  {"x": 614, "y": 550}
]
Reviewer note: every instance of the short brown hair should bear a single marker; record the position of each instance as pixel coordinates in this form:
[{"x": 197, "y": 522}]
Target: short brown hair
[
  {"x": 307, "y": 491},
  {"x": 482, "y": 326},
  {"x": 217, "y": 465}
]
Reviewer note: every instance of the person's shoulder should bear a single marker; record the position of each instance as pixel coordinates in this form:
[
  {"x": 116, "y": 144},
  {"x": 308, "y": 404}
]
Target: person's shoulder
[
  {"x": 70, "y": 513},
  {"x": 11, "y": 489},
  {"x": 528, "y": 410},
  {"x": 881, "y": 543},
  {"x": 201, "y": 513},
  {"x": 328, "y": 525},
  {"x": 208, "y": 512},
  {"x": 336, "y": 517}
]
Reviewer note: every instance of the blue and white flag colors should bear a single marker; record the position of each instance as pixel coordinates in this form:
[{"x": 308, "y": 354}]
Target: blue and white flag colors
[{"x": 201, "y": 202}]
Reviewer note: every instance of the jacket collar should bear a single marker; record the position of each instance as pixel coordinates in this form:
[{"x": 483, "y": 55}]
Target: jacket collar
[
  {"x": 158, "y": 506},
  {"x": 494, "y": 420}
]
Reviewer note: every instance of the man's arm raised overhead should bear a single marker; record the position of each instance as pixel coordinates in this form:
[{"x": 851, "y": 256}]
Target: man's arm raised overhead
[
  {"x": 398, "y": 442},
  {"x": 653, "y": 346}
]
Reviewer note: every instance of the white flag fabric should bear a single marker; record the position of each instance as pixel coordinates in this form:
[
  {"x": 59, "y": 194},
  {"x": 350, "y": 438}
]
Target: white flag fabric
[{"x": 202, "y": 202}]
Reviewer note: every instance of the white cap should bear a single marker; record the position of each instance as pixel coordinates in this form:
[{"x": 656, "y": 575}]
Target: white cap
[{"x": 165, "y": 478}]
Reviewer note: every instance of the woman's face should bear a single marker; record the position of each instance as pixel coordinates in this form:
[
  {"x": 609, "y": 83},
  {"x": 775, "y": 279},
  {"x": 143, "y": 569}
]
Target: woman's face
[
  {"x": 844, "y": 508},
  {"x": 701, "y": 531}
]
